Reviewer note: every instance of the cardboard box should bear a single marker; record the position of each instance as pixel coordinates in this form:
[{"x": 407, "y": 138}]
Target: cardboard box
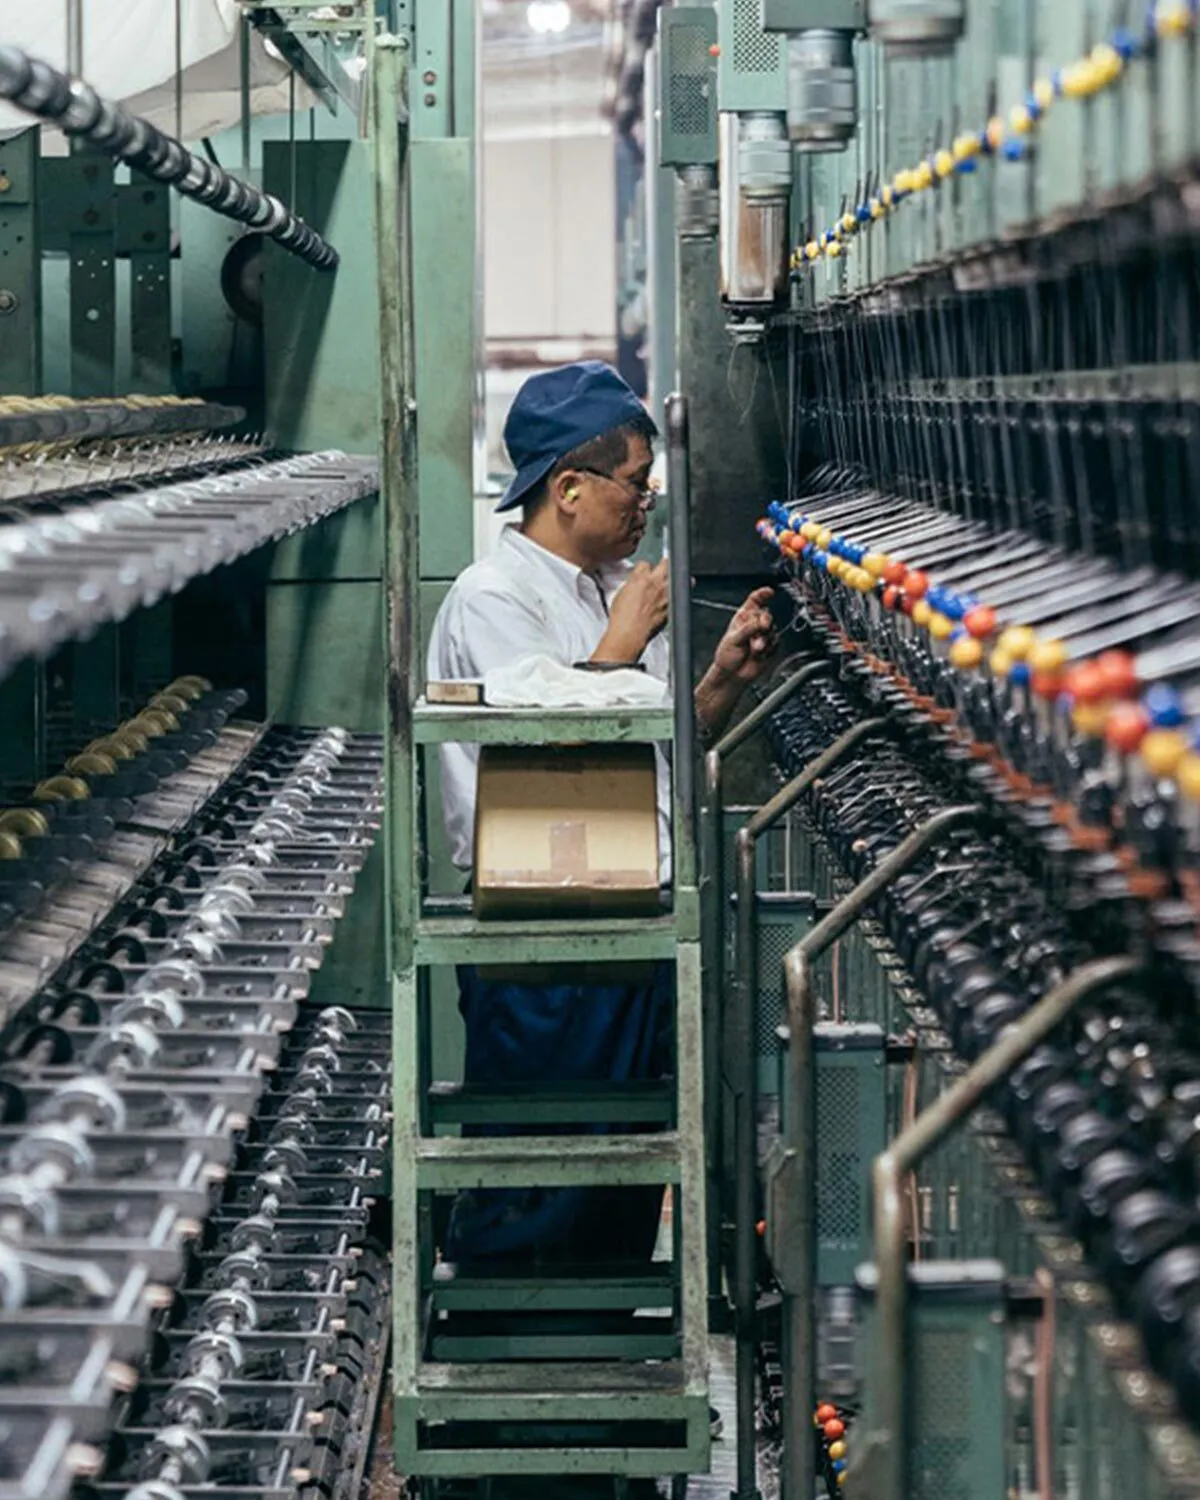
[{"x": 564, "y": 831}]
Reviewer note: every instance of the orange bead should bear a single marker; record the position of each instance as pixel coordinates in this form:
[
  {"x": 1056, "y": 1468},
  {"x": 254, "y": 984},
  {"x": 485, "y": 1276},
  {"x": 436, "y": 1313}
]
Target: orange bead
[
  {"x": 1127, "y": 726},
  {"x": 1119, "y": 673},
  {"x": 826, "y": 1413},
  {"x": 895, "y": 572},
  {"x": 980, "y": 621},
  {"x": 1085, "y": 683},
  {"x": 915, "y": 584},
  {"x": 891, "y": 597},
  {"x": 834, "y": 1428}
]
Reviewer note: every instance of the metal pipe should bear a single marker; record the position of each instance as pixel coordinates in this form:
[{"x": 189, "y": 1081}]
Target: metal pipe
[
  {"x": 74, "y": 106},
  {"x": 799, "y": 1388},
  {"x": 75, "y": 37},
  {"x": 745, "y": 1091},
  {"x": 884, "y": 1451},
  {"x": 713, "y": 901},
  {"x": 682, "y": 675}
]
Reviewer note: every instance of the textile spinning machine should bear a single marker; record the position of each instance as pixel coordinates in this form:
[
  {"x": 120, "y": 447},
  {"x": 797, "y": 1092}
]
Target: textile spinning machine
[
  {"x": 937, "y": 273},
  {"x": 195, "y": 1079}
]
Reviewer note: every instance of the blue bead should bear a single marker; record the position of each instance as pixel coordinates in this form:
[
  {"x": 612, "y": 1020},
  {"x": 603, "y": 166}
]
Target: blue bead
[
  {"x": 953, "y": 608},
  {"x": 964, "y": 167},
  {"x": 820, "y": 558},
  {"x": 856, "y": 553},
  {"x": 985, "y": 145},
  {"x": 957, "y": 634},
  {"x": 839, "y": 1465},
  {"x": 863, "y": 213},
  {"x": 1019, "y": 673},
  {"x": 1125, "y": 43},
  {"x": 1014, "y": 151},
  {"x": 1163, "y": 705},
  {"x": 1034, "y": 108}
]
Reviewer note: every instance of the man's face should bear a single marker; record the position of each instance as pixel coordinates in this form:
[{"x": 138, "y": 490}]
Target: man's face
[{"x": 610, "y": 512}]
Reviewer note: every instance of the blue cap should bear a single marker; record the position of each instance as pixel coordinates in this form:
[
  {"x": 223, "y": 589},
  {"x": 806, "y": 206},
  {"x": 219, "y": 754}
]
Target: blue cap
[{"x": 558, "y": 411}]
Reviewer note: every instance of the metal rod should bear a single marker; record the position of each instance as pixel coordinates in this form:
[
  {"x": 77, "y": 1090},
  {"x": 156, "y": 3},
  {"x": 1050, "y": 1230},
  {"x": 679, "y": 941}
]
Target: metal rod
[
  {"x": 885, "y": 1450},
  {"x": 75, "y": 37},
  {"x": 680, "y": 566},
  {"x": 244, "y": 89},
  {"x": 745, "y": 1091},
  {"x": 76, "y": 108},
  {"x": 713, "y": 903},
  {"x": 799, "y": 1370}
]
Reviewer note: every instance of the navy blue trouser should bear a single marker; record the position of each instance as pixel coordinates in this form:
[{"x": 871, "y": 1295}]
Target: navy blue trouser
[{"x": 560, "y": 1034}]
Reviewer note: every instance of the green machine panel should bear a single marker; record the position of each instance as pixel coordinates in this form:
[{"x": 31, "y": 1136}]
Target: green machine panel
[
  {"x": 851, "y": 1133},
  {"x": 954, "y": 1373},
  {"x": 752, "y": 65},
  {"x": 687, "y": 86}
]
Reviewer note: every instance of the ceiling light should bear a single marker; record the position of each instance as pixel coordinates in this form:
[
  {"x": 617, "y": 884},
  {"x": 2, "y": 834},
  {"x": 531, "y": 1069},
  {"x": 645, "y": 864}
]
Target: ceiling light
[{"x": 548, "y": 17}]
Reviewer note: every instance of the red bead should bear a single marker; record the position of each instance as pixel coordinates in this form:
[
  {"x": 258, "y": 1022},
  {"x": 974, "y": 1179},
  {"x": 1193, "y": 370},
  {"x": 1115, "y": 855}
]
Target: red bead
[
  {"x": 980, "y": 621},
  {"x": 826, "y": 1413},
  {"x": 915, "y": 584},
  {"x": 895, "y": 572},
  {"x": 1126, "y": 727},
  {"x": 906, "y": 604},
  {"x": 891, "y": 597},
  {"x": 1085, "y": 683},
  {"x": 834, "y": 1429},
  {"x": 1047, "y": 685},
  {"x": 1119, "y": 673}
]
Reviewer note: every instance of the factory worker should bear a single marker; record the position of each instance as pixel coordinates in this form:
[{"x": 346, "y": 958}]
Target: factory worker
[{"x": 560, "y": 584}]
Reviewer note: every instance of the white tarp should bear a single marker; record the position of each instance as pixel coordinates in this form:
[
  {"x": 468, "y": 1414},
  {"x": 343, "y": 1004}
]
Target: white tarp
[{"x": 129, "y": 49}]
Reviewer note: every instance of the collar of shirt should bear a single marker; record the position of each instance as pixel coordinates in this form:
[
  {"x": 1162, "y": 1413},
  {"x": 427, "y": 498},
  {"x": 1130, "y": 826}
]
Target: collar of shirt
[{"x": 516, "y": 547}]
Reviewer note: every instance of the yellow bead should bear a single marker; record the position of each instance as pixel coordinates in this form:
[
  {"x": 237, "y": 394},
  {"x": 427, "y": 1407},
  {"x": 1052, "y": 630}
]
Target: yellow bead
[
  {"x": 1000, "y": 662},
  {"x": 824, "y": 537},
  {"x": 1043, "y": 92},
  {"x": 1162, "y": 750},
  {"x": 864, "y": 583},
  {"x": 849, "y": 223},
  {"x": 966, "y": 147},
  {"x": 1074, "y": 81},
  {"x": 1187, "y": 776},
  {"x": 1020, "y": 119},
  {"x": 943, "y": 163},
  {"x": 812, "y": 250},
  {"x": 1048, "y": 656},
  {"x": 922, "y": 613},
  {"x": 995, "y": 132},
  {"x": 1090, "y": 718},
  {"x": 877, "y": 208},
  {"x": 837, "y": 1450},
  {"x": 885, "y": 196},
  {"x": 966, "y": 653},
  {"x": 1172, "y": 20},
  {"x": 902, "y": 182},
  {"x": 923, "y": 176},
  {"x": 835, "y": 566},
  {"x": 810, "y": 531},
  {"x": 1017, "y": 641},
  {"x": 842, "y": 1479},
  {"x": 875, "y": 562},
  {"x": 1108, "y": 61},
  {"x": 833, "y": 250},
  {"x": 941, "y": 628}
]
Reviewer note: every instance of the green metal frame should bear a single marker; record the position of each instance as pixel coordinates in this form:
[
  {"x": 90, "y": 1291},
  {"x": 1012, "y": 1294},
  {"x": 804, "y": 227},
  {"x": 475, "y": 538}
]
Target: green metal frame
[{"x": 424, "y": 186}]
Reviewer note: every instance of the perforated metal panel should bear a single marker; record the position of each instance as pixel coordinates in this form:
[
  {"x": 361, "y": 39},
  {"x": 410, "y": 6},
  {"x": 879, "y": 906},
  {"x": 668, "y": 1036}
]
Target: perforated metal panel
[
  {"x": 752, "y": 67},
  {"x": 851, "y": 1132},
  {"x": 956, "y": 1409},
  {"x": 688, "y": 86}
]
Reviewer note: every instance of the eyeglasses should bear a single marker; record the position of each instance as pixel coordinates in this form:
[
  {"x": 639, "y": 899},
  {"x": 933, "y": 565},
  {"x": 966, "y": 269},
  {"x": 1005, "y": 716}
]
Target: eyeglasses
[{"x": 644, "y": 494}]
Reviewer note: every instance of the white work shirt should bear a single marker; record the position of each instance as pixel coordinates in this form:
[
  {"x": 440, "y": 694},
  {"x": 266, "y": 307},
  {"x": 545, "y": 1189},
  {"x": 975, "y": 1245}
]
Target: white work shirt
[{"x": 524, "y": 601}]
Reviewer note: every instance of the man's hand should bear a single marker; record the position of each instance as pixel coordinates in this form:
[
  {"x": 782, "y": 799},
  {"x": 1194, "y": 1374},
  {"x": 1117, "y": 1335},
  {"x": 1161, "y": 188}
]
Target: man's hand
[
  {"x": 748, "y": 644},
  {"x": 636, "y": 615},
  {"x": 744, "y": 654}
]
